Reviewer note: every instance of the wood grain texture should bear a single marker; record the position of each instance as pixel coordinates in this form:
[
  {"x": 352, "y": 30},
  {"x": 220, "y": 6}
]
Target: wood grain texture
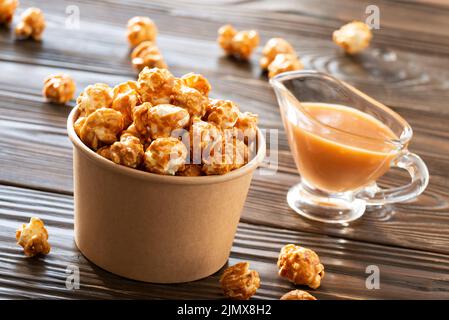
[
  {"x": 406, "y": 68},
  {"x": 404, "y": 272}
]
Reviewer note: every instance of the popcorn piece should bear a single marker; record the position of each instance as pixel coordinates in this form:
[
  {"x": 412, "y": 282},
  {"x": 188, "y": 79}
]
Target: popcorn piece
[
  {"x": 190, "y": 170},
  {"x": 225, "y": 35},
  {"x": 125, "y": 99},
  {"x": 225, "y": 156},
  {"x": 32, "y": 24},
  {"x": 240, "y": 283},
  {"x": 145, "y": 139},
  {"x": 59, "y": 88},
  {"x": 197, "y": 81},
  {"x": 297, "y": 295},
  {"x": 147, "y": 54},
  {"x": 33, "y": 237},
  {"x": 102, "y": 126},
  {"x": 190, "y": 99},
  {"x": 240, "y": 44},
  {"x": 353, "y": 37},
  {"x": 140, "y": 117},
  {"x": 94, "y": 97},
  {"x": 165, "y": 156},
  {"x": 300, "y": 266},
  {"x": 247, "y": 127},
  {"x": 272, "y": 48},
  {"x": 244, "y": 43},
  {"x": 79, "y": 123},
  {"x": 7, "y": 9},
  {"x": 203, "y": 133},
  {"x": 155, "y": 85},
  {"x": 283, "y": 63},
  {"x": 128, "y": 151},
  {"x": 223, "y": 113},
  {"x": 141, "y": 29},
  {"x": 163, "y": 119}
]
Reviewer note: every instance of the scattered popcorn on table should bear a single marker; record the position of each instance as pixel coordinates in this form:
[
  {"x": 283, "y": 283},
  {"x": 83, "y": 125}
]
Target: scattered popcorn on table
[
  {"x": 300, "y": 266},
  {"x": 353, "y": 37},
  {"x": 239, "y": 44},
  {"x": 297, "y": 295},
  {"x": 156, "y": 85},
  {"x": 272, "y": 48},
  {"x": 101, "y": 127},
  {"x": 128, "y": 151},
  {"x": 197, "y": 81},
  {"x": 165, "y": 156},
  {"x": 141, "y": 29},
  {"x": 147, "y": 54},
  {"x": 125, "y": 99},
  {"x": 32, "y": 24},
  {"x": 59, "y": 88},
  {"x": 7, "y": 9},
  {"x": 284, "y": 62},
  {"x": 94, "y": 97},
  {"x": 239, "y": 282},
  {"x": 33, "y": 237},
  {"x": 166, "y": 125}
]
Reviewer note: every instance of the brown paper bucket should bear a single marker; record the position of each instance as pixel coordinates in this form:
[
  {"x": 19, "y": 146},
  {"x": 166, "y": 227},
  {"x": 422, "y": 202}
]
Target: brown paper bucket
[{"x": 155, "y": 228}]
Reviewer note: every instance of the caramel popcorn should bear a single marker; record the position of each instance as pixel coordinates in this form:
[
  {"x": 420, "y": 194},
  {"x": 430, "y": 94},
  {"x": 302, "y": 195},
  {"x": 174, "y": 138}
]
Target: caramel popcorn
[
  {"x": 141, "y": 29},
  {"x": 125, "y": 99},
  {"x": 7, "y": 9},
  {"x": 181, "y": 131},
  {"x": 163, "y": 119},
  {"x": 197, "y": 81},
  {"x": 147, "y": 54},
  {"x": 223, "y": 113},
  {"x": 190, "y": 170},
  {"x": 32, "y": 24},
  {"x": 284, "y": 62},
  {"x": 155, "y": 85},
  {"x": 240, "y": 44},
  {"x": 33, "y": 237},
  {"x": 190, "y": 99},
  {"x": 59, "y": 88},
  {"x": 297, "y": 295},
  {"x": 353, "y": 37},
  {"x": 128, "y": 151},
  {"x": 94, "y": 97},
  {"x": 102, "y": 126},
  {"x": 300, "y": 266},
  {"x": 203, "y": 134},
  {"x": 272, "y": 48},
  {"x": 78, "y": 125},
  {"x": 240, "y": 283},
  {"x": 165, "y": 156},
  {"x": 224, "y": 156}
]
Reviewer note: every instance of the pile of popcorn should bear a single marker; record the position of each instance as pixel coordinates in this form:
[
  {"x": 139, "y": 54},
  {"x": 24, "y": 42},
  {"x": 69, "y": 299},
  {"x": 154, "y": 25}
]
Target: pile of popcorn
[{"x": 166, "y": 125}]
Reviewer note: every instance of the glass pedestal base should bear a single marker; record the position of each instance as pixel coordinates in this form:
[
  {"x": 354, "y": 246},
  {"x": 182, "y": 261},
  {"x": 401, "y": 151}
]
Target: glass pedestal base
[{"x": 324, "y": 207}]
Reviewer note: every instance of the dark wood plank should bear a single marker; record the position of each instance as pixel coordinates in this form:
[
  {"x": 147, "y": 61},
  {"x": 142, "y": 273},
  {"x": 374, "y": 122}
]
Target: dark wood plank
[{"x": 404, "y": 272}]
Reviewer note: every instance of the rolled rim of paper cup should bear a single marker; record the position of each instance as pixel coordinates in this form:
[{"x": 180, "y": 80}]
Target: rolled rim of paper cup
[{"x": 250, "y": 166}]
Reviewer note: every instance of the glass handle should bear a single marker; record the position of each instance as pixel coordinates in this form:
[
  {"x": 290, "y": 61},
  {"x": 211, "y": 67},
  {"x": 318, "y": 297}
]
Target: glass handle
[{"x": 419, "y": 180}]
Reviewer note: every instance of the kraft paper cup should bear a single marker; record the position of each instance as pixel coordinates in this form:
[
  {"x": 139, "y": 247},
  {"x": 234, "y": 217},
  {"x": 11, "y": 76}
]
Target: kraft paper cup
[{"x": 155, "y": 228}]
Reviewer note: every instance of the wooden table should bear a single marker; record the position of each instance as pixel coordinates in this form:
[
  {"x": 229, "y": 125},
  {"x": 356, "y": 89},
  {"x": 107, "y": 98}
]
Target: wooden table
[{"x": 409, "y": 242}]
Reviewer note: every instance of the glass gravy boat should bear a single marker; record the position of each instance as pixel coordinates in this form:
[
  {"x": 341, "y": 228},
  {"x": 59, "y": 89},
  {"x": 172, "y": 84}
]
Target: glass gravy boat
[{"x": 343, "y": 141}]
